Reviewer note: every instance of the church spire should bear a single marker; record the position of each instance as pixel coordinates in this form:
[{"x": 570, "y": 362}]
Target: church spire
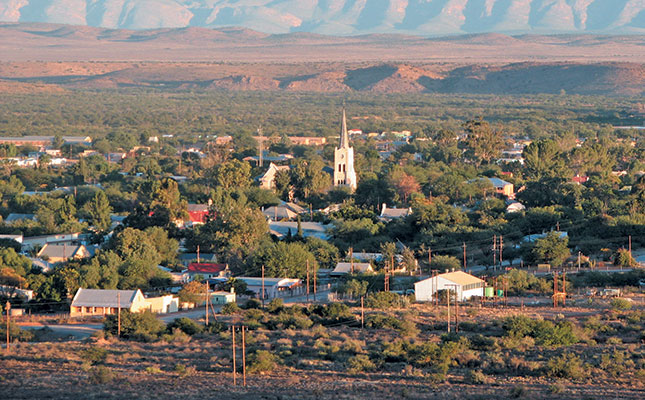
[{"x": 344, "y": 137}]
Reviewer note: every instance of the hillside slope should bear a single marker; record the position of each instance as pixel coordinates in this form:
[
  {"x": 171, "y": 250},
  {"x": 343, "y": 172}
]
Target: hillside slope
[{"x": 515, "y": 78}]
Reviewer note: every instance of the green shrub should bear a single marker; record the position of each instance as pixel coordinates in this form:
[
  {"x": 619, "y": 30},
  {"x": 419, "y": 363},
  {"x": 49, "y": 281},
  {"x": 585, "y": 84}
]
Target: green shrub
[
  {"x": 405, "y": 327},
  {"x": 94, "y": 355},
  {"x": 186, "y": 325},
  {"x": 215, "y": 327},
  {"x": 136, "y": 326},
  {"x": 482, "y": 343},
  {"x": 386, "y": 300},
  {"x": 153, "y": 370},
  {"x": 334, "y": 313},
  {"x": 545, "y": 333},
  {"x": 360, "y": 363},
  {"x": 476, "y": 377},
  {"x": 261, "y": 361},
  {"x": 101, "y": 375},
  {"x": 517, "y": 391},
  {"x": 620, "y": 304},
  {"x": 275, "y": 306},
  {"x": 22, "y": 335},
  {"x": 231, "y": 308},
  {"x": 567, "y": 366},
  {"x": 288, "y": 320},
  {"x": 252, "y": 303}
]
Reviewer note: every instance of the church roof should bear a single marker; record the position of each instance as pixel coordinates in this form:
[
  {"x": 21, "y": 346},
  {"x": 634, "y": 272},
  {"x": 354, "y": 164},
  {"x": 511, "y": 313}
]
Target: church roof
[{"x": 344, "y": 137}]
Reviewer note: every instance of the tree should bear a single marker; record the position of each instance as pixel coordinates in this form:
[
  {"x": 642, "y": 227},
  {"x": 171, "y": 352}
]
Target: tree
[
  {"x": 483, "y": 143},
  {"x": 551, "y": 249},
  {"x": 308, "y": 177},
  {"x": 234, "y": 233},
  {"x": 542, "y": 159},
  {"x": 404, "y": 184},
  {"x": 283, "y": 260},
  {"x": 192, "y": 292},
  {"x": 98, "y": 210},
  {"x": 231, "y": 174},
  {"x": 137, "y": 326},
  {"x": 445, "y": 263}
]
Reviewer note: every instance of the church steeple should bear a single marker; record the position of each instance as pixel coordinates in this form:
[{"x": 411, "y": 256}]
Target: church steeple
[
  {"x": 344, "y": 174},
  {"x": 344, "y": 137}
]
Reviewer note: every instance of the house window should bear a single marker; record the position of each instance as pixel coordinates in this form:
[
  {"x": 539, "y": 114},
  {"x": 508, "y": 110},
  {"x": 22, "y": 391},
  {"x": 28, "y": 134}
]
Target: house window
[
  {"x": 343, "y": 167},
  {"x": 340, "y": 168}
]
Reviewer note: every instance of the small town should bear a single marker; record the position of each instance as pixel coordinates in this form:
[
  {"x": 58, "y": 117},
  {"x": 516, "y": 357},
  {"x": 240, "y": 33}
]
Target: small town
[{"x": 288, "y": 200}]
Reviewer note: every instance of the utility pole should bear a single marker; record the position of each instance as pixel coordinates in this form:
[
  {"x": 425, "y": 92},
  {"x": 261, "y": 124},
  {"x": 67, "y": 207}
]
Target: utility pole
[
  {"x": 630, "y": 245},
  {"x": 8, "y": 310},
  {"x": 362, "y": 313},
  {"x": 207, "y": 298},
  {"x": 243, "y": 357},
  {"x": 448, "y": 302},
  {"x": 315, "y": 289},
  {"x": 429, "y": 257},
  {"x": 464, "y": 256},
  {"x": 501, "y": 249},
  {"x": 198, "y": 254},
  {"x": 118, "y": 314},
  {"x": 262, "y": 286},
  {"x": 456, "y": 306},
  {"x": 494, "y": 251},
  {"x": 351, "y": 261},
  {"x": 307, "y": 281},
  {"x": 557, "y": 226},
  {"x": 579, "y": 253},
  {"x": 234, "y": 367}
]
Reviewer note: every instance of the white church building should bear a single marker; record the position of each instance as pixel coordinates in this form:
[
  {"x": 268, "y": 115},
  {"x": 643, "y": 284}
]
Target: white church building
[{"x": 344, "y": 174}]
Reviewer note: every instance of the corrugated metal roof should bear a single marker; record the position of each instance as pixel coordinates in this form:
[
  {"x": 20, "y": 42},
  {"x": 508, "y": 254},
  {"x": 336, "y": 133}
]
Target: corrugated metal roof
[
  {"x": 103, "y": 298},
  {"x": 346, "y": 267},
  {"x": 461, "y": 278}
]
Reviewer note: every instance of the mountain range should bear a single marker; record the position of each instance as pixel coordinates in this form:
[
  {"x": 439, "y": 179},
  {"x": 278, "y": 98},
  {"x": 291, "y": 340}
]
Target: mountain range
[{"x": 342, "y": 17}]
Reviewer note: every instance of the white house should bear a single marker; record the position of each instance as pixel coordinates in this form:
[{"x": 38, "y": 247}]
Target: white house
[
  {"x": 100, "y": 302},
  {"x": 466, "y": 287}
]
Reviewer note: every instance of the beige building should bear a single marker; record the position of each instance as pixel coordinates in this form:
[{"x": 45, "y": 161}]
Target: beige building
[{"x": 55, "y": 253}]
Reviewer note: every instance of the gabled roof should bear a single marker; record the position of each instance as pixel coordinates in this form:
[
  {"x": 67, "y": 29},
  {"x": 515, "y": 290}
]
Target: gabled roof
[
  {"x": 104, "y": 298},
  {"x": 346, "y": 268},
  {"x": 206, "y": 268},
  {"x": 395, "y": 212},
  {"x": 279, "y": 212},
  {"x": 197, "y": 207},
  {"x": 460, "y": 278},
  {"x": 60, "y": 250}
]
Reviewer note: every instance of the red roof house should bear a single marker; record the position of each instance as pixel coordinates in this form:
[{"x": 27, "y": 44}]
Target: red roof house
[
  {"x": 198, "y": 213},
  {"x": 208, "y": 270}
]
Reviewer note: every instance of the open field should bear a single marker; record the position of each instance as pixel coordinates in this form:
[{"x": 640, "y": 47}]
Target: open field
[{"x": 343, "y": 361}]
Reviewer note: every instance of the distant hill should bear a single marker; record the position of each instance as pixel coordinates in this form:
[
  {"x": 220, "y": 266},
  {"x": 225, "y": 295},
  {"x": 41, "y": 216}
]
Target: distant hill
[
  {"x": 56, "y": 42},
  {"x": 515, "y": 78},
  {"x": 342, "y": 17}
]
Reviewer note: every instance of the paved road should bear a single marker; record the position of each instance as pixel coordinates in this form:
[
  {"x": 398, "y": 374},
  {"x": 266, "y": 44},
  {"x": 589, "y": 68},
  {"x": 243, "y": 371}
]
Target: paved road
[{"x": 73, "y": 331}]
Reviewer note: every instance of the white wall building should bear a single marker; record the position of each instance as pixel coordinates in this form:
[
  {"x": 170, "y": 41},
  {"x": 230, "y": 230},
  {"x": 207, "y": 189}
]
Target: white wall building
[
  {"x": 344, "y": 174},
  {"x": 467, "y": 286}
]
